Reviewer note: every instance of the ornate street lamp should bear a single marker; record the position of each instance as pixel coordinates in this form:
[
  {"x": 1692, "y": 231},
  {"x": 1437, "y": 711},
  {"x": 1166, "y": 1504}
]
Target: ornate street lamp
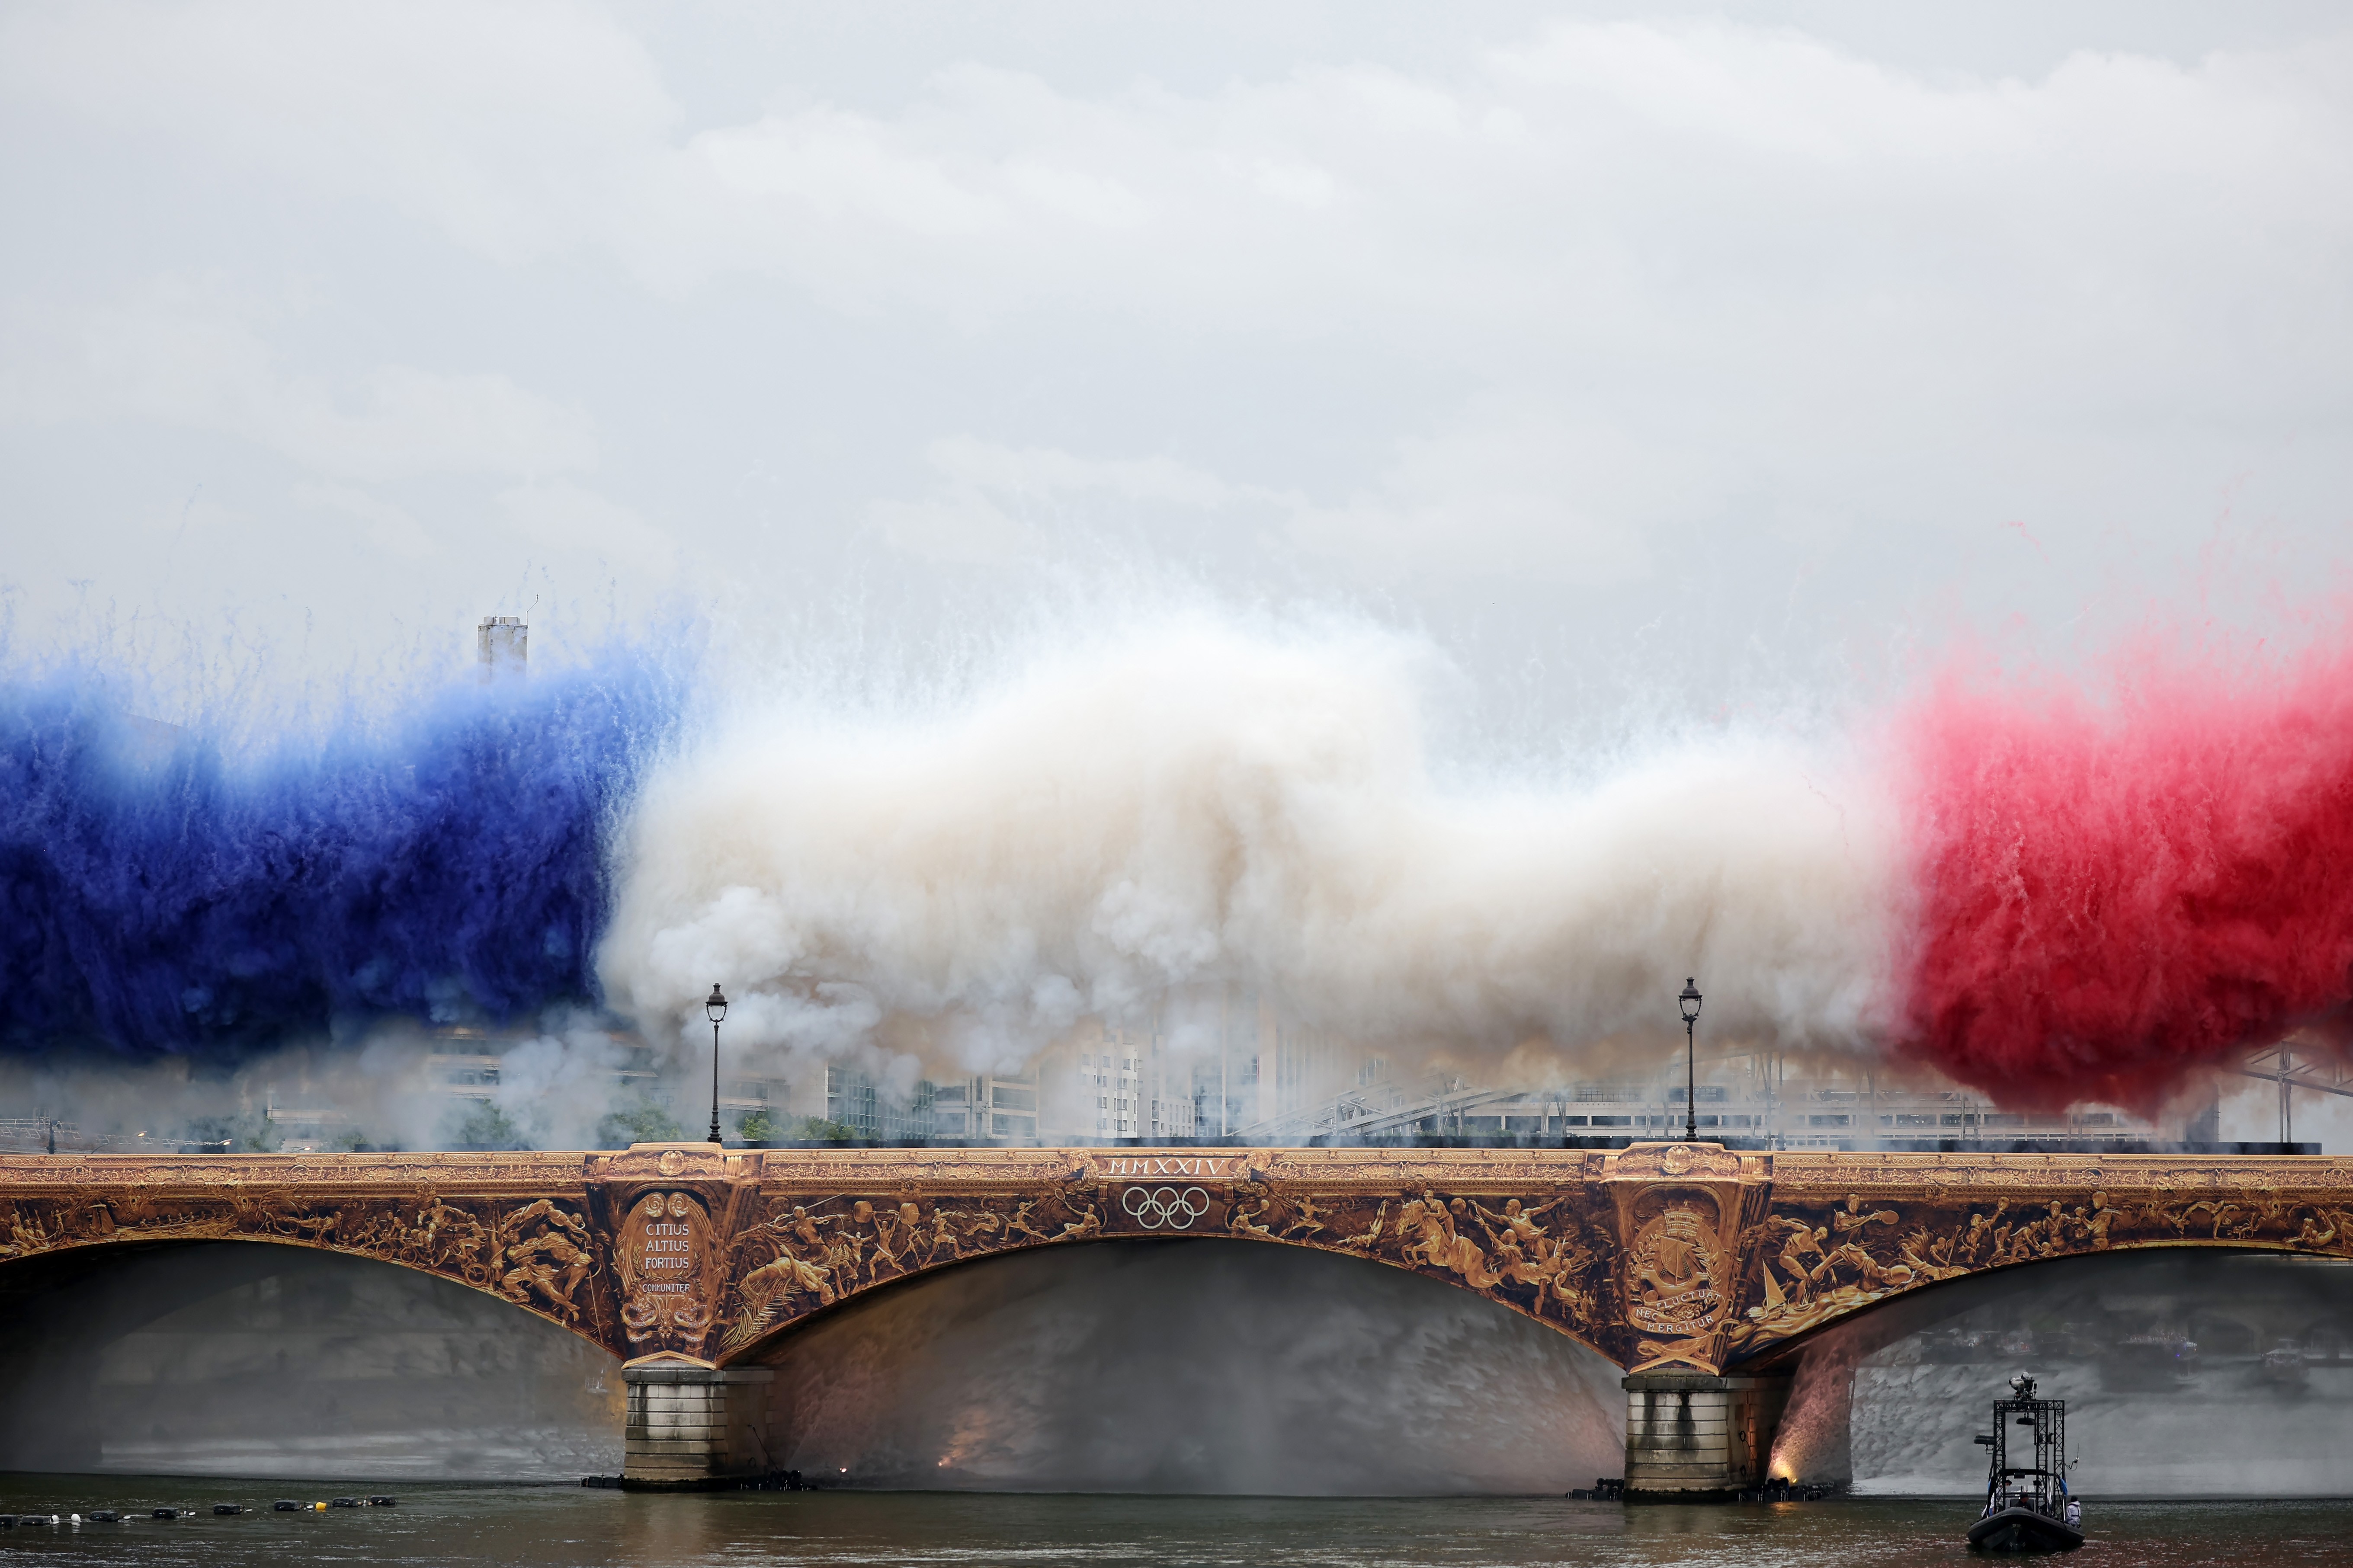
[
  {"x": 717, "y": 1008},
  {"x": 1690, "y": 1000}
]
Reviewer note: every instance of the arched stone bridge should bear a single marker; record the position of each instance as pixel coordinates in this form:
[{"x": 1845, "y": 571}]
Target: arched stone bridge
[{"x": 1698, "y": 1270}]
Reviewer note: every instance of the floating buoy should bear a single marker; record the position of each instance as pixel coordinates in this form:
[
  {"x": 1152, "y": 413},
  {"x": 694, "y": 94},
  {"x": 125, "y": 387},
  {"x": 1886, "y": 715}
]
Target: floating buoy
[
  {"x": 286, "y": 1505},
  {"x": 76, "y": 1519},
  {"x": 380, "y": 1500},
  {"x": 165, "y": 1514},
  {"x": 319, "y": 1508},
  {"x": 228, "y": 1508},
  {"x": 104, "y": 1516},
  {"x": 347, "y": 1502}
]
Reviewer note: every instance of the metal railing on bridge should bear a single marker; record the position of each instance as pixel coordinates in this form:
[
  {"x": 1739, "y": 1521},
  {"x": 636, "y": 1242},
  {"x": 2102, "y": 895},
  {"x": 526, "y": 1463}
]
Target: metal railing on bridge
[{"x": 44, "y": 1135}]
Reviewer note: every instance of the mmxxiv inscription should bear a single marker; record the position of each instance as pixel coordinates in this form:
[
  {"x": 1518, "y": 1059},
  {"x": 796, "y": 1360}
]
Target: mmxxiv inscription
[{"x": 1199, "y": 1167}]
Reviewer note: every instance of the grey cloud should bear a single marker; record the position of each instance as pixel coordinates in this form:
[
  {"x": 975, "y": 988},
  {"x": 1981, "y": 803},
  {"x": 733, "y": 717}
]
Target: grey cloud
[
  {"x": 179, "y": 356},
  {"x": 1345, "y": 305}
]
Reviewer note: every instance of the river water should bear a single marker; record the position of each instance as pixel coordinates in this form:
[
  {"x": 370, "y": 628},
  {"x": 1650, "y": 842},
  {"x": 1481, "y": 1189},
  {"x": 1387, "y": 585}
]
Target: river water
[{"x": 524, "y": 1527}]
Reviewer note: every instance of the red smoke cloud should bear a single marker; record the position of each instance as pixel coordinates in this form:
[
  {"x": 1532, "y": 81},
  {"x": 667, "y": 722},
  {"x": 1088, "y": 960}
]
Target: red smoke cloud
[{"x": 2111, "y": 896}]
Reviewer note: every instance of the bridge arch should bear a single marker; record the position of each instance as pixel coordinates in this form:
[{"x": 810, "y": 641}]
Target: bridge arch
[
  {"x": 817, "y": 1232},
  {"x": 1935, "y": 1300},
  {"x": 761, "y": 1339},
  {"x": 1185, "y": 1366},
  {"x": 1889, "y": 1398},
  {"x": 519, "y": 1227},
  {"x": 35, "y": 1267},
  {"x": 227, "y": 1357},
  {"x": 1838, "y": 1236}
]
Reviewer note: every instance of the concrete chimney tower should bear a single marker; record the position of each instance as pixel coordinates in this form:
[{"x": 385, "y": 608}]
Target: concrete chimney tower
[{"x": 502, "y": 647}]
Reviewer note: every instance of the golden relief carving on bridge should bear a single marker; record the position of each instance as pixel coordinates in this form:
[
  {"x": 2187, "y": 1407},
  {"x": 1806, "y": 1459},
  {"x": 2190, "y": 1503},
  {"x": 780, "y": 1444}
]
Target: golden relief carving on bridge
[
  {"x": 540, "y": 1252},
  {"x": 810, "y": 1251},
  {"x": 1661, "y": 1254},
  {"x": 1522, "y": 1236},
  {"x": 1820, "y": 1257}
]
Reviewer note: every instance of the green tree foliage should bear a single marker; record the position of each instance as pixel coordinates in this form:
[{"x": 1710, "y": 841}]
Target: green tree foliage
[
  {"x": 484, "y": 1126},
  {"x": 763, "y": 1126},
  {"x": 817, "y": 1129},
  {"x": 640, "y": 1121}
]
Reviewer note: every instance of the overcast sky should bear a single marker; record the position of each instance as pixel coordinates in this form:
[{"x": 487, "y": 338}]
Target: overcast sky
[{"x": 1767, "y": 342}]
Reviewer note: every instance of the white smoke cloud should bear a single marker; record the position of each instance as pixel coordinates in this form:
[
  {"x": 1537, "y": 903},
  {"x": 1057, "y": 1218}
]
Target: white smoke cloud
[
  {"x": 556, "y": 1086},
  {"x": 1130, "y": 820}
]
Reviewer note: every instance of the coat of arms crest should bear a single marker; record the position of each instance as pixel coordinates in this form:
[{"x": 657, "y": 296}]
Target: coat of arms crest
[{"x": 1672, "y": 1275}]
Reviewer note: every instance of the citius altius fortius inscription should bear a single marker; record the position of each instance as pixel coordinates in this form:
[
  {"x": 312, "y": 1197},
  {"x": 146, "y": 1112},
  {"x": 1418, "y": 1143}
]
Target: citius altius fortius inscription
[{"x": 668, "y": 1246}]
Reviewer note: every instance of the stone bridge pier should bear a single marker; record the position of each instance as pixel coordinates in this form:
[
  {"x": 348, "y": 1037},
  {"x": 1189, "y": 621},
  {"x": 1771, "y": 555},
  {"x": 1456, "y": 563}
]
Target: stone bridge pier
[
  {"x": 692, "y": 1426},
  {"x": 1700, "y": 1272},
  {"x": 1691, "y": 1436}
]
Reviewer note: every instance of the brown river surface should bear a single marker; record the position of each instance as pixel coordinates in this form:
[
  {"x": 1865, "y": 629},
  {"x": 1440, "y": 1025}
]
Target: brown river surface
[{"x": 515, "y": 1527}]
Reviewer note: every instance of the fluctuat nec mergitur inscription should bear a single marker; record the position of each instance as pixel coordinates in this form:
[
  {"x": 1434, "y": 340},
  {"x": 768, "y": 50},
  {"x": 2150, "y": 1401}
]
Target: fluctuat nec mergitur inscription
[{"x": 1659, "y": 1256}]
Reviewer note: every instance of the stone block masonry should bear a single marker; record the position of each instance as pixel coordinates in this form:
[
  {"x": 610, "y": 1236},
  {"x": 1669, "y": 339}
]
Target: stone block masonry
[
  {"x": 1695, "y": 1438},
  {"x": 690, "y": 1428}
]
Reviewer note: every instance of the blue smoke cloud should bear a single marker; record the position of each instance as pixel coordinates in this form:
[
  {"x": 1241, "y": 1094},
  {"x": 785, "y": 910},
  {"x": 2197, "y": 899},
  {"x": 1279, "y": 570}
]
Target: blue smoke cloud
[{"x": 160, "y": 894}]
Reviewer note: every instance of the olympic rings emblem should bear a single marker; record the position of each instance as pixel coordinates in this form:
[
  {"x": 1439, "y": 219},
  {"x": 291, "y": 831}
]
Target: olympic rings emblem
[{"x": 1154, "y": 1208}]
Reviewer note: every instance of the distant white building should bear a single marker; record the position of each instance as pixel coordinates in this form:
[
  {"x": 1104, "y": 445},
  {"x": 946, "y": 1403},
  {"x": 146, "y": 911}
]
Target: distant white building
[
  {"x": 501, "y": 648},
  {"x": 1104, "y": 1082},
  {"x": 987, "y": 1108},
  {"x": 1109, "y": 1082}
]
